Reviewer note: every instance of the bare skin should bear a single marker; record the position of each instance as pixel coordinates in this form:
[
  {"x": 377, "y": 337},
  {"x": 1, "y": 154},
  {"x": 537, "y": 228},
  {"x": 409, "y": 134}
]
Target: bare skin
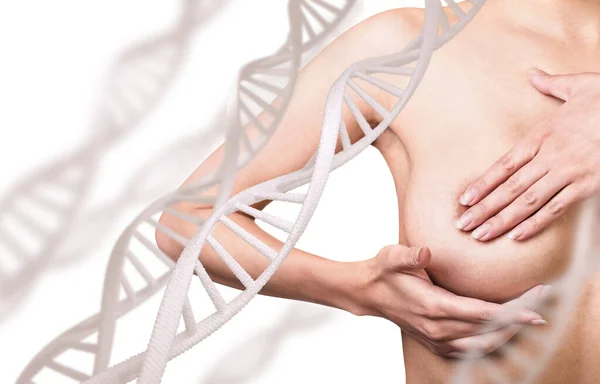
[
  {"x": 440, "y": 294},
  {"x": 490, "y": 108},
  {"x": 536, "y": 164}
]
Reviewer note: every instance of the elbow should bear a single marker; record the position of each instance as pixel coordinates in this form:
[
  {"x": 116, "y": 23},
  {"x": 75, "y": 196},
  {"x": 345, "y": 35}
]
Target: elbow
[{"x": 164, "y": 242}]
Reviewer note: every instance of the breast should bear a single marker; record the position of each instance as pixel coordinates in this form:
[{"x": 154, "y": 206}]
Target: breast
[
  {"x": 496, "y": 270},
  {"x": 464, "y": 115}
]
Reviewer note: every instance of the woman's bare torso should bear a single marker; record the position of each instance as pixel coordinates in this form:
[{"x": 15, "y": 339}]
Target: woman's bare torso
[{"x": 472, "y": 106}]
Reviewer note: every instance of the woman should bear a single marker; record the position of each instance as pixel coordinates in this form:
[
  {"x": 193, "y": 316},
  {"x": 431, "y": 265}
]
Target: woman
[{"x": 439, "y": 283}]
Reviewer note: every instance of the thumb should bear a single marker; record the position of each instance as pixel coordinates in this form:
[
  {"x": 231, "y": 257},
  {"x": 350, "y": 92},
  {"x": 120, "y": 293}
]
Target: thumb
[
  {"x": 559, "y": 86},
  {"x": 399, "y": 257}
]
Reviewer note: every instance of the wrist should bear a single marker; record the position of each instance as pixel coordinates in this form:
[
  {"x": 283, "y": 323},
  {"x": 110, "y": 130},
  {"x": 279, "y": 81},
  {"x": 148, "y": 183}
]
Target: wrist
[
  {"x": 336, "y": 284},
  {"x": 353, "y": 285}
]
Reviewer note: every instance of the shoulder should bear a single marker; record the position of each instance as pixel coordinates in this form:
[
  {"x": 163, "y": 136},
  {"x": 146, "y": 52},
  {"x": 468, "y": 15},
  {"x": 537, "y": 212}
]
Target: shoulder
[
  {"x": 398, "y": 20},
  {"x": 401, "y": 24},
  {"x": 383, "y": 33}
]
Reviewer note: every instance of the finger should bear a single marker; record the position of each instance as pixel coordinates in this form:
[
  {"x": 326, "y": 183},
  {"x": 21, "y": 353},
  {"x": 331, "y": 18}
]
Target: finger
[
  {"x": 502, "y": 169},
  {"x": 551, "y": 211},
  {"x": 479, "y": 311},
  {"x": 522, "y": 207},
  {"x": 530, "y": 301},
  {"x": 399, "y": 257},
  {"x": 497, "y": 334},
  {"x": 484, "y": 343},
  {"x": 446, "y": 330},
  {"x": 502, "y": 196},
  {"x": 559, "y": 86}
]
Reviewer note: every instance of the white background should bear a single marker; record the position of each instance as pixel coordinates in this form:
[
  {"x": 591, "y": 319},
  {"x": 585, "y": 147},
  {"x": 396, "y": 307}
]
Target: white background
[{"x": 52, "y": 61}]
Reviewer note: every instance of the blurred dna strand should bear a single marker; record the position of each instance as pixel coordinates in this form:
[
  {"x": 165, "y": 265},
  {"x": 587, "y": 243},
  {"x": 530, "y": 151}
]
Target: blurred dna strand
[
  {"x": 258, "y": 84},
  {"x": 39, "y": 214}
]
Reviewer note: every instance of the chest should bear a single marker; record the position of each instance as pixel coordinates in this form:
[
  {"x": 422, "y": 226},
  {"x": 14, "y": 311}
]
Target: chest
[
  {"x": 474, "y": 103},
  {"x": 463, "y": 117}
]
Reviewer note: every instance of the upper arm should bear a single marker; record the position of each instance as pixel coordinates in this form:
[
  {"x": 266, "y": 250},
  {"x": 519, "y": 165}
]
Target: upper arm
[{"x": 297, "y": 137}]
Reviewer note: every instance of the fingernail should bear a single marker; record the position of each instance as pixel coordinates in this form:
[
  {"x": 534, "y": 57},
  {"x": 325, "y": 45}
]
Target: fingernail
[
  {"x": 418, "y": 255},
  {"x": 515, "y": 233},
  {"x": 480, "y": 232},
  {"x": 464, "y": 220},
  {"x": 539, "y": 322},
  {"x": 467, "y": 197}
]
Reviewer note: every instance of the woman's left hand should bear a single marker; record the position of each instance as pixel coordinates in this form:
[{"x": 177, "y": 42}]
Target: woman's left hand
[{"x": 554, "y": 166}]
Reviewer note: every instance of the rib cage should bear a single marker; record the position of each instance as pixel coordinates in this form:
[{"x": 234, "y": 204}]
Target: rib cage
[{"x": 273, "y": 75}]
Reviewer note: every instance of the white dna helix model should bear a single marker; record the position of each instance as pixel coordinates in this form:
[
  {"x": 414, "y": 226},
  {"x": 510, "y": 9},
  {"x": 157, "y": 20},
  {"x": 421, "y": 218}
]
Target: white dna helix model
[
  {"x": 275, "y": 75},
  {"x": 136, "y": 246}
]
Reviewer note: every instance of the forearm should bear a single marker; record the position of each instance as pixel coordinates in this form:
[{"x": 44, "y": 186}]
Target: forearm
[{"x": 301, "y": 276}]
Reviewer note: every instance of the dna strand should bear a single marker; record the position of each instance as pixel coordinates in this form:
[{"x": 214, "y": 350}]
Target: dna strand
[
  {"x": 584, "y": 255},
  {"x": 165, "y": 342},
  {"x": 40, "y": 212},
  {"x": 310, "y": 22}
]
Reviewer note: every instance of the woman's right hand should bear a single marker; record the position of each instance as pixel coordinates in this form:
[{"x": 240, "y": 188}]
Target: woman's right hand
[{"x": 397, "y": 287}]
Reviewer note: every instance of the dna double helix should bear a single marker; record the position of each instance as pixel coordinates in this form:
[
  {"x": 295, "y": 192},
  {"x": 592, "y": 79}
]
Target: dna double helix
[
  {"x": 259, "y": 81},
  {"x": 166, "y": 342}
]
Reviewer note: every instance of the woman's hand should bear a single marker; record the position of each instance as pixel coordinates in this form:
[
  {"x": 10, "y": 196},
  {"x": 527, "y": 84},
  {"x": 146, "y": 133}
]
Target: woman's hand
[
  {"x": 398, "y": 288},
  {"x": 554, "y": 166}
]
